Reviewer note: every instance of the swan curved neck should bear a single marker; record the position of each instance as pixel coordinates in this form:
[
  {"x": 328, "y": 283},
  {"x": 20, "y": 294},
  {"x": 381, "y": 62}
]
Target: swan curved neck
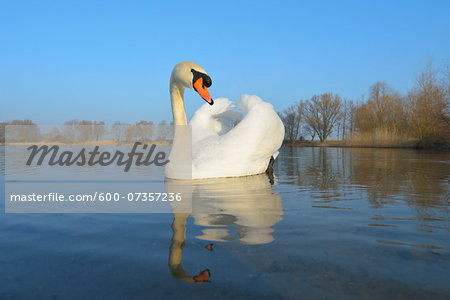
[{"x": 178, "y": 111}]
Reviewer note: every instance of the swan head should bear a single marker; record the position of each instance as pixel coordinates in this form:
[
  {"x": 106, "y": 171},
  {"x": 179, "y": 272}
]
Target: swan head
[{"x": 190, "y": 75}]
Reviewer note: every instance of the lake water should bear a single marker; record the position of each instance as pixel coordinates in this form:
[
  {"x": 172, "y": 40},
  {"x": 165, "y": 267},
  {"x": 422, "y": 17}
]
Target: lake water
[{"x": 336, "y": 223}]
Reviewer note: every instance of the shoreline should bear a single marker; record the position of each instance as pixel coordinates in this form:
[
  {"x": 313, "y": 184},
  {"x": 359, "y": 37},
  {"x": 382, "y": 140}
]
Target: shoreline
[
  {"x": 88, "y": 143},
  {"x": 412, "y": 144}
]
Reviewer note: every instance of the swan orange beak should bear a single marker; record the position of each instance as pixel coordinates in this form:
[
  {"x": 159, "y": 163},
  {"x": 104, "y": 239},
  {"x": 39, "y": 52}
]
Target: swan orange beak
[
  {"x": 200, "y": 88},
  {"x": 203, "y": 276}
]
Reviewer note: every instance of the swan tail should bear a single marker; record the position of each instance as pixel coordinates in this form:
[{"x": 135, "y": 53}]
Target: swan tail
[
  {"x": 249, "y": 102},
  {"x": 275, "y": 155}
]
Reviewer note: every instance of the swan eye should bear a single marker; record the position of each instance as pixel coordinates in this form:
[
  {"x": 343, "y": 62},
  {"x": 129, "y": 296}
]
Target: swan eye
[{"x": 206, "y": 79}]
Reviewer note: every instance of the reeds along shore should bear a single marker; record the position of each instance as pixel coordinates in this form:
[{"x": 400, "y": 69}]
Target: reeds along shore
[{"x": 377, "y": 140}]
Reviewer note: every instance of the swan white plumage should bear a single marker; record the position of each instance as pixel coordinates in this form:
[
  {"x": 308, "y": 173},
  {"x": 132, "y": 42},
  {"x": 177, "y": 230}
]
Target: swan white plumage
[{"x": 217, "y": 150}]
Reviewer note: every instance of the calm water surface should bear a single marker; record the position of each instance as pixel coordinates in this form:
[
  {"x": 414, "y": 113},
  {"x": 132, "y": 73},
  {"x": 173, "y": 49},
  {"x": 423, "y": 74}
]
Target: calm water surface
[{"x": 336, "y": 223}]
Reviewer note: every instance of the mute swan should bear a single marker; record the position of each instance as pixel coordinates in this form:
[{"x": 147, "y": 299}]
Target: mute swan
[{"x": 244, "y": 150}]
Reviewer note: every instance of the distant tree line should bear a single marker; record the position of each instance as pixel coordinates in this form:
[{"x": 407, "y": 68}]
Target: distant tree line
[
  {"x": 26, "y": 133},
  {"x": 142, "y": 131},
  {"x": 386, "y": 115},
  {"x": 85, "y": 130}
]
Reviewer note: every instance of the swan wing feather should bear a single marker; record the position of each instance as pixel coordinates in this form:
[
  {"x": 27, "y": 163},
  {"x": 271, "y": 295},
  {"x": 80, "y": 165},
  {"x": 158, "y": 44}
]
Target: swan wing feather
[{"x": 245, "y": 149}]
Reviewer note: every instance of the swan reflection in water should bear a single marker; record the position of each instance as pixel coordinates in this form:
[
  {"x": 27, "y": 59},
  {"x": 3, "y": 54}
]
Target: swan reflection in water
[{"x": 250, "y": 203}]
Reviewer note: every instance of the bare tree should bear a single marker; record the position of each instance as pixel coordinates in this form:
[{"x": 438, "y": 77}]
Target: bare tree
[
  {"x": 99, "y": 129},
  {"x": 19, "y": 133},
  {"x": 85, "y": 130},
  {"x": 163, "y": 130},
  {"x": 428, "y": 105},
  {"x": 69, "y": 130},
  {"x": 118, "y": 130},
  {"x": 445, "y": 85},
  {"x": 321, "y": 114},
  {"x": 3, "y": 131},
  {"x": 291, "y": 118},
  {"x": 308, "y": 130},
  {"x": 144, "y": 130},
  {"x": 130, "y": 133},
  {"x": 384, "y": 112},
  {"x": 346, "y": 118}
]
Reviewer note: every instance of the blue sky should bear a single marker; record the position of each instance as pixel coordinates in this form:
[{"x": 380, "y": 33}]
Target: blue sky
[{"x": 111, "y": 60}]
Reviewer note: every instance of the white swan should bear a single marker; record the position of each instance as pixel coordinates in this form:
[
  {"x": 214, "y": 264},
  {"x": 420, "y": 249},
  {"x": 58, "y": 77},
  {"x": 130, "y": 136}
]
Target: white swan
[{"x": 217, "y": 150}]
